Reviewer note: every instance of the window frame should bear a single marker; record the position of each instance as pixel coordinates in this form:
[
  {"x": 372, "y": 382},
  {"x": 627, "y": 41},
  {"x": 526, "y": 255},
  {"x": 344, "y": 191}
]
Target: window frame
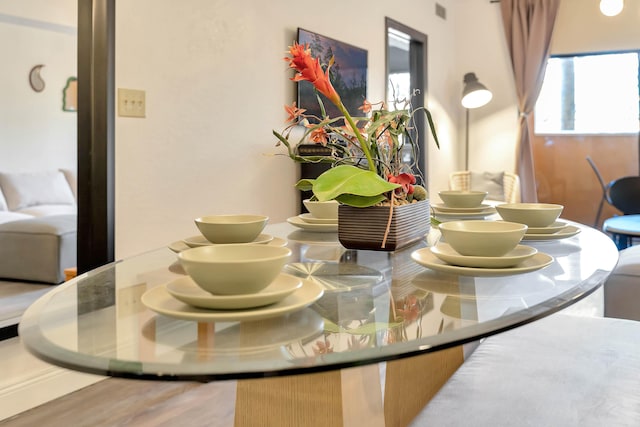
[{"x": 582, "y": 133}]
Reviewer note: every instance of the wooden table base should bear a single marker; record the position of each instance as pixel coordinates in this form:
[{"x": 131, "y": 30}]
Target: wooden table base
[{"x": 346, "y": 398}]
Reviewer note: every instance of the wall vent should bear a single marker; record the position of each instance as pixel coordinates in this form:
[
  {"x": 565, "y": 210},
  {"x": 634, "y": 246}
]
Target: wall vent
[{"x": 441, "y": 11}]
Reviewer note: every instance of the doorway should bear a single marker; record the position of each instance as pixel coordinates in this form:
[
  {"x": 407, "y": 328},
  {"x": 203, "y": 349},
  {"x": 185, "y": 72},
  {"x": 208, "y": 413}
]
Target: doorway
[{"x": 406, "y": 74}]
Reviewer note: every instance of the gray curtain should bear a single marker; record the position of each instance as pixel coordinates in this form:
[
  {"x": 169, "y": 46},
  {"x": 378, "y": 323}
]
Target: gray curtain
[{"x": 528, "y": 25}]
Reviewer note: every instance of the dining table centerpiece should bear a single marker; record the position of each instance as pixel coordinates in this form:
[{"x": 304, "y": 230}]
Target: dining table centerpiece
[{"x": 383, "y": 202}]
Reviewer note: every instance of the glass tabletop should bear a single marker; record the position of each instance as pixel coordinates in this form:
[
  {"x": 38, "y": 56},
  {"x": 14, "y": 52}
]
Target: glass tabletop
[{"x": 374, "y": 306}]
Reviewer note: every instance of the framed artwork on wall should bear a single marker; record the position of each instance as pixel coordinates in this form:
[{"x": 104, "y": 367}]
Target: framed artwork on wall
[
  {"x": 348, "y": 74},
  {"x": 70, "y": 95}
]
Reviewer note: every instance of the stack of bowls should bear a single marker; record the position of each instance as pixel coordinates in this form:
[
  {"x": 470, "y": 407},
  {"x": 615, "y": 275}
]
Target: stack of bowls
[
  {"x": 233, "y": 265},
  {"x": 460, "y": 204}
]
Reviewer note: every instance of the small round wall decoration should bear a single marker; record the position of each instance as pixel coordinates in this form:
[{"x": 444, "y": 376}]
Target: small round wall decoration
[{"x": 35, "y": 80}]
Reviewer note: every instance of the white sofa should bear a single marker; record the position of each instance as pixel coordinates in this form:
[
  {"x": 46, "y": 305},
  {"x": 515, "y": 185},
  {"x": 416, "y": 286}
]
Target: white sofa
[{"x": 38, "y": 222}]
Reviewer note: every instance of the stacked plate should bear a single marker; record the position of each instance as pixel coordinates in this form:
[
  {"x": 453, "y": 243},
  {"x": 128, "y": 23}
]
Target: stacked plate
[
  {"x": 478, "y": 212},
  {"x": 442, "y": 257},
  {"x": 308, "y": 222},
  {"x": 182, "y": 298},
  {"x": 200, "y": 240},
  {"x": 557, "y": 230}
]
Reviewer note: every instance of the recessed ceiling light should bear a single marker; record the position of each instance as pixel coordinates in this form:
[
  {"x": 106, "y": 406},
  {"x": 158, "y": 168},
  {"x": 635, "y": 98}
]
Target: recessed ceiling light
[{"x": 611, "y": 7}]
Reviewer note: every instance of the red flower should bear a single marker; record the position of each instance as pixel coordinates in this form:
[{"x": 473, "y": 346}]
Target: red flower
[
  {"x": 365, "y": 107},
  {"x": 293, "y": 111},
  {"x": 322, "y": 347},
  {"x": 408, "y": 308},
  {"x": 308, "y": 68},
  {"x": 318, "y": 135},
  {"x": 405, "y": 179}
]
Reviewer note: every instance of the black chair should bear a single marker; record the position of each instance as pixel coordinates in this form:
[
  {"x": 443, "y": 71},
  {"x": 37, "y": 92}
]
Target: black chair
[
  {"x": 605, "y": 190},
  {"x": 624, "y": 194}
]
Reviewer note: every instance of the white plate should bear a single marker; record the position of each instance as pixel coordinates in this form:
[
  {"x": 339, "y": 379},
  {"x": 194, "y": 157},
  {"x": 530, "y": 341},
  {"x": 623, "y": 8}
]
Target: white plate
[
  {"x": 314, "y": 238},
  {"x": 427, "y": 259},
  {"x": 553, "y": 228},
  {"x": 159, "y": 300},
  {"x": 180, "y": 246},
  {"x": 307, "y": 217},
  {"x": 200, "y": 240},
  {"x": 323, "y": 228},
  {"x": 187, "y": 291},
  {"x": 449, "y": 255},
  {"x": 568, "y": 231},
  {"x": 444, "y": 208},
  {"x": 458, "y": 215}
]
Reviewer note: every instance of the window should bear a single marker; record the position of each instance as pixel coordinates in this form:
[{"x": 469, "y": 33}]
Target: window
[{"x": 592, "y": 94}]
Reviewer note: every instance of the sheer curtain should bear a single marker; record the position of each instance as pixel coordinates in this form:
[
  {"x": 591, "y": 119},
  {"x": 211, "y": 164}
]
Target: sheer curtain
[{"x": 528, "y": 25}]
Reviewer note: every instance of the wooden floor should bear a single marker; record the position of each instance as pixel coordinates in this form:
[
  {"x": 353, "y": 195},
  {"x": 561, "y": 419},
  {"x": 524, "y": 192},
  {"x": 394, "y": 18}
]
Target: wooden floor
[{"x": 121, "y": 402}]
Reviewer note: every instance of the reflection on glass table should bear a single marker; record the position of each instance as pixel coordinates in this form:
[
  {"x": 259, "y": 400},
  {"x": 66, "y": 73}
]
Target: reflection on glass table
[{"x": 374, "y": 306}]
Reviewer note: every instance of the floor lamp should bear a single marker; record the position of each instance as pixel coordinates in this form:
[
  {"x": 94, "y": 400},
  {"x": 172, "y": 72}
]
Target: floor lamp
[{"x": 474, "y": 95}]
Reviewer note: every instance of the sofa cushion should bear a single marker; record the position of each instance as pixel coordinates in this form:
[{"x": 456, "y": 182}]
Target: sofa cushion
[
  {"x": 22, "y": 190},
  {"x": 38, "y": 249},
  {"x": 622, "y": 287},
  {"x": 3, "y": 202},
  {"x": 628, "y": 262},
  {"x": 559, "y": 371},
  {"x": 491, "y": 182},
  {"x": 7, "y": 216},
  {"x": 45, "y": 210}
]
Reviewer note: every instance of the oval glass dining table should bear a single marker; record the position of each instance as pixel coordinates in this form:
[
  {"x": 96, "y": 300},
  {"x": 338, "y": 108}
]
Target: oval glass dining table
[{"x": 360, "y": 308}]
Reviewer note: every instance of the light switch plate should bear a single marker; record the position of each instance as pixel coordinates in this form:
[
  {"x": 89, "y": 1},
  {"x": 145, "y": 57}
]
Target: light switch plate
[{"x": 131, "y": 103}]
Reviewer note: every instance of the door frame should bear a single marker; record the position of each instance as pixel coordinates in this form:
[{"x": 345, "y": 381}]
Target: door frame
[
  {"x": 418, "y": 69},
  {"x": 96, "y": 143}
]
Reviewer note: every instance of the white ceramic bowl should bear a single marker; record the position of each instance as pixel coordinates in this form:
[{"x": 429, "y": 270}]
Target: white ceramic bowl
[
  {"x": 324, "y": 210},
  {"x": 234, "y": 269},
  {"x": 231, "y": 228},
  {"x": 482, "y": 238},
  {"x": 462, "y": 199},
  {"x": 532, "y": 214}
]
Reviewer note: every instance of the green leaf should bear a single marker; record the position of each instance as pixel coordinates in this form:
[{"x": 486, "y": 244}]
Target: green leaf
[
  {"x": 305, "y": 184},
  {"x": 329, "y": 326},
  {"x": 371, "y": 328},
  {"x": 360, "y": 201},
  {"x": 432, "y": 127},
  {"x": 346, "y": 179}
]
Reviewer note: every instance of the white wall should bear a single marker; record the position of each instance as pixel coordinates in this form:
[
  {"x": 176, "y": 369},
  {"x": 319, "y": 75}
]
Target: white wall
[
  {"x": 216, "y": 84},
  {"x": 35, "y": 133},
  {"x": 481, "y": 48},
  {"x": 215, "y": 87}
]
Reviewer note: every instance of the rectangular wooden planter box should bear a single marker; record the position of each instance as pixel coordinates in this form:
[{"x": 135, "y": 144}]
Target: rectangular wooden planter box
[{"x": 364, "y": 228}]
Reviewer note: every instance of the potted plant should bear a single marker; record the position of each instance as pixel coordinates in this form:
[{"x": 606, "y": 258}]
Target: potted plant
[{"x": 367, "y": 171}]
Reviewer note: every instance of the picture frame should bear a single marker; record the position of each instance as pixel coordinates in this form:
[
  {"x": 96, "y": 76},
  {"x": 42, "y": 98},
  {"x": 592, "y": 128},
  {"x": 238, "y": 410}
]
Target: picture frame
[
  {"x": 348, "y": 74},
  {"x": 70, "y": 95}
]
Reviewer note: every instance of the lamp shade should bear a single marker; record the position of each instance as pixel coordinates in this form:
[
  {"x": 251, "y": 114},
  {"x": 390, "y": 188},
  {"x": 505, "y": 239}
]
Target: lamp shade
[{"x": 474, "y": 94}]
